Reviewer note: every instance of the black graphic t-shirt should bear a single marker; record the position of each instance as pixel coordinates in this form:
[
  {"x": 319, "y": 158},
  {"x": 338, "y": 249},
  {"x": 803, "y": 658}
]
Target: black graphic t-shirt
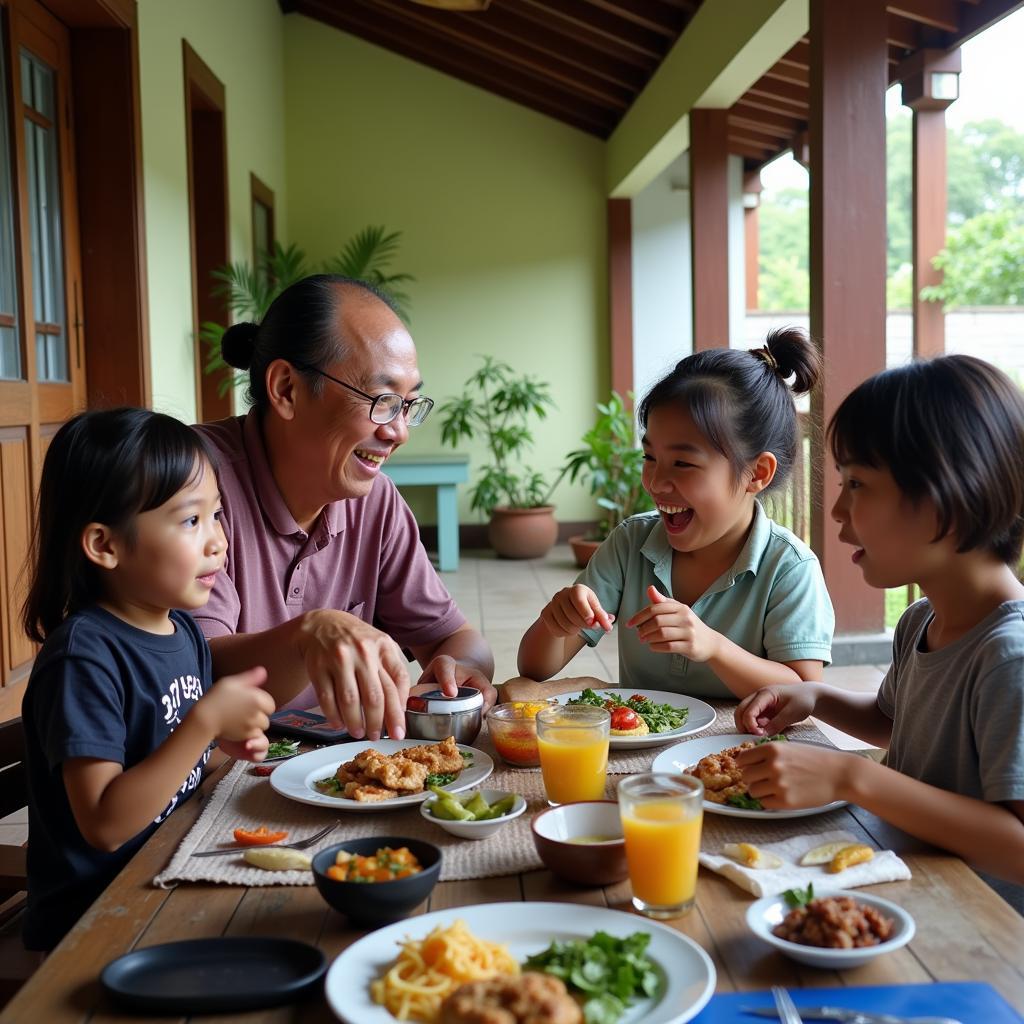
[{"x": 100, "y": 688}]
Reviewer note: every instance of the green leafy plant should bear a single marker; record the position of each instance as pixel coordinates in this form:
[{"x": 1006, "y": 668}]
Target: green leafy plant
[
  {"x": 611, "y": 465},
  {"x": 498, "y": 405},
  {"x": 249, "y": 290}
]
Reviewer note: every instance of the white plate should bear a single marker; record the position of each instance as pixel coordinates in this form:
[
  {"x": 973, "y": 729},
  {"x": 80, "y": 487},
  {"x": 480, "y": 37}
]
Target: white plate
[
  {"x": 700, "y": 717},
  {"x": 682, "y": 755},
  {"x": 764, "y": 914},
  {"x": 687, "y": 971},
  {"x": 295, "y": 778}
]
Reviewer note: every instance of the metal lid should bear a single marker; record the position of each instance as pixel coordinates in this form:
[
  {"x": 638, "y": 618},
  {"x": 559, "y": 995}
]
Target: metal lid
[{"x": 434, "y": 702}]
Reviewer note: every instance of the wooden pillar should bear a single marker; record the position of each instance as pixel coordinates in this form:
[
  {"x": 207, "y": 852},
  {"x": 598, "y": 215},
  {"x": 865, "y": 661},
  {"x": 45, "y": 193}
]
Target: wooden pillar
[
  {"x": 751, "y": 235},
  {"x": 709, "y": 227},
  {"x": 620, "y": 293},
  {"x": 928, "y": 196},
  {"x": 847, "y": 258}
]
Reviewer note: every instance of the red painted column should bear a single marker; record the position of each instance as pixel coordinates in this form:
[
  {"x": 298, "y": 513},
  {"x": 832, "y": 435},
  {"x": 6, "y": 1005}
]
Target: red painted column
[
  {"x": 847, "y": 258},
  {"x": 709, "y": 227},
  {"x": 751, "y": 236},
  {"x": 620, "y": 293}
]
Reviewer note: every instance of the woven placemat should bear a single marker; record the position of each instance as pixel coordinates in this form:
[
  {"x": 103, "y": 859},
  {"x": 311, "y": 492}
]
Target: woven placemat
[{"x": 245, "y": 800}]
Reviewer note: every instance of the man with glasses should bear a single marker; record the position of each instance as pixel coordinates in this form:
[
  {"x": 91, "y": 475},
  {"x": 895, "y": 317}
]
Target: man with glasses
[{"x": 326, "y": 581}]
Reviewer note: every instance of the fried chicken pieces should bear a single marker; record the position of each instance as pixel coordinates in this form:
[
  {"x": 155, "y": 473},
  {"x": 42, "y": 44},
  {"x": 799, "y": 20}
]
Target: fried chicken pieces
[
  {"x": 530, "y": 998},
  {"x": 721, "y": 774},
  {"x": 371, "y": 776}
]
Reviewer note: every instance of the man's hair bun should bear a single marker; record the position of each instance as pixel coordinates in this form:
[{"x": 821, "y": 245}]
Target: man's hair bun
[{"x": 238, "y": 344}]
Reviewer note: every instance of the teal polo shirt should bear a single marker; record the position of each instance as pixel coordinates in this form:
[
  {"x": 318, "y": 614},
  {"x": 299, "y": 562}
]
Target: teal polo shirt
[{"x": 772, "y": 602}]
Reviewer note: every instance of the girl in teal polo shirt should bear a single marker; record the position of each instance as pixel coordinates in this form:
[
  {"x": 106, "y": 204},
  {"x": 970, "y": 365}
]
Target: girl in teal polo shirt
[{"x": 717, "y": 599}]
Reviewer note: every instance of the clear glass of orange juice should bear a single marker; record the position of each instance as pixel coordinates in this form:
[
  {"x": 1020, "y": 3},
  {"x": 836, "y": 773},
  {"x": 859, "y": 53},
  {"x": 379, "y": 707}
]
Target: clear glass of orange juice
[
  {"x": 661, "y": 820},
  {"x": 573, "y": 743}
]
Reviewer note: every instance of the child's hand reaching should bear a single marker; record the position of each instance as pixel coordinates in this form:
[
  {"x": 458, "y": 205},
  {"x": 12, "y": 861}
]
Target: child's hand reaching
[
  {"x": 572, "y": 609},
  {"x": 237, "y": 708},
  {"x": 773, "y": 708},
  {"x": 784, "y": 775},
  {"x": 253, "y": 749},
  {"x": 671, "y": 627}
]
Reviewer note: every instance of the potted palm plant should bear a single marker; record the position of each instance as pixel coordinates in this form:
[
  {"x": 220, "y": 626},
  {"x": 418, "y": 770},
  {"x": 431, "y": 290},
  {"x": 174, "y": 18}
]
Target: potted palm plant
[
  {"x": 499, "y": 406},
  {"x": 611, "y": 464},
  {"x": 249, "y": 290}
]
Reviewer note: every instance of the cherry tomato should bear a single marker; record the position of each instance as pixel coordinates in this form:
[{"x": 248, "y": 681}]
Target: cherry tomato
[
  {"x": 639, "y": 696},
  {"x": 264, "y": 769},
  {"x": 261, "y": 836},
  {"x": 624, "y": 718}
]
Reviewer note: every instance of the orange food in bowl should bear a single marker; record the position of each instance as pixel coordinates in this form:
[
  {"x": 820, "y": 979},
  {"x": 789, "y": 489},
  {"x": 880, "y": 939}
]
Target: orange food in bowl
[{"x": 513, "y": 729}]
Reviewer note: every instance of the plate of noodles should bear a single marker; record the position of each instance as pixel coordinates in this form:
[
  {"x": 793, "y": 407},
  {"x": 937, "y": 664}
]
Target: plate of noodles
[
  {"x": 312, "y": 778},
  {"x": 368, "y": 983}
]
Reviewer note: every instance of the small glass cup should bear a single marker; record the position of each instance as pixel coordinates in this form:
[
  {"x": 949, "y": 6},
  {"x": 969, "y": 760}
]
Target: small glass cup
[
  {"x": 661, "y": 820},
  {"x": 573, "y": 744}
]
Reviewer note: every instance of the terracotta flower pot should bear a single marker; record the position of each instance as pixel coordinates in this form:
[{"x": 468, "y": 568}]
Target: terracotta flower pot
[
  {"x": 583, "y": 548},
  {"x": 523, "y": 532}
]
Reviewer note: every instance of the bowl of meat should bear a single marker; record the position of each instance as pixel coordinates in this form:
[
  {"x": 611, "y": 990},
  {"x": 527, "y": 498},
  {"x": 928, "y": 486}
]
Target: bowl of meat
[{"x": 834, "y": 930}]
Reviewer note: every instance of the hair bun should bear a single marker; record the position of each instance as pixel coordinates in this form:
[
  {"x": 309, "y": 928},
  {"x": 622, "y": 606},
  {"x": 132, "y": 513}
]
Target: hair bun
[
  {"x": 238, "y": 344},
  {"x": 789, "y": 352}
]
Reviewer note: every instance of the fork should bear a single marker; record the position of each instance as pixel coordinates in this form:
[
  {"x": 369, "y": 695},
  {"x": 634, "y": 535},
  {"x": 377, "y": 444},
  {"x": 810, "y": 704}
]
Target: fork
[
  {"x": 784, "y": 1004},
  {"x": 298, "y": 844}
]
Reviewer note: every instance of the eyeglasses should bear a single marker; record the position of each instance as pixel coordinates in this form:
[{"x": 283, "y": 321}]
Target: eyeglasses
[{"x": 387, "y": 407}]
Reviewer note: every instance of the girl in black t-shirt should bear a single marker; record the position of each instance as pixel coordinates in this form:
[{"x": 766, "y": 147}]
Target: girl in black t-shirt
[{"x": 119, "y": 711}]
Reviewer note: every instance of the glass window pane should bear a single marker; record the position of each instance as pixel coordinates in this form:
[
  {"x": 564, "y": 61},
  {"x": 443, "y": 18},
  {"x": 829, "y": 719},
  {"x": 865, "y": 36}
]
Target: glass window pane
[
  {"x": 42, "y": 169},
  {"x": 10, "y": 349},
  {"x": 26, "y": 81}
]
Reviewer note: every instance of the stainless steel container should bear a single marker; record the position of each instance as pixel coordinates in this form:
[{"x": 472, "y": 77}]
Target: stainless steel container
[{"x": 433, "y": 716}]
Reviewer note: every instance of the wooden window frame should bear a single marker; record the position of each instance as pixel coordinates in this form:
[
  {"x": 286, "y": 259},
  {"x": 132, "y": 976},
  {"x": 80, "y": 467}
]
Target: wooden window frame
[{"x": 262, "y": 194}]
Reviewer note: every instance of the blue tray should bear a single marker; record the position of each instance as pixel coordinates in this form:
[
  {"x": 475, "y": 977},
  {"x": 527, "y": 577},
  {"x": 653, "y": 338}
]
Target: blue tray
[{"x": 970, "y": 1001}]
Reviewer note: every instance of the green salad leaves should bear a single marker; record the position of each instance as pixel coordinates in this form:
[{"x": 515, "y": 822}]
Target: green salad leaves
[
  {"x": 607, "y": 971},
  {"x": 659, "y": 717},
  {"x": 283, "y": 748}
]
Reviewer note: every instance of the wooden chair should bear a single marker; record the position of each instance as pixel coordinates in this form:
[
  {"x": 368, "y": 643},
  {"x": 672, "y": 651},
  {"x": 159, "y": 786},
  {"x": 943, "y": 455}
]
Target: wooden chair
[{"x": 16, "y": 963}]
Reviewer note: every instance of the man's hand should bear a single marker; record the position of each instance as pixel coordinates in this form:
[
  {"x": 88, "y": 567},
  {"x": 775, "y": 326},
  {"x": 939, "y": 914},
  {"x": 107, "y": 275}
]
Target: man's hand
[
  {"x": 785, "y": 775},
  {"x": 573, "y": 609},
  {"x": 670, "y": 627},
  {"x": 358, "y": 672},
  {"x": 773, "y": 708},
  {"x": 448, "y": 674}
]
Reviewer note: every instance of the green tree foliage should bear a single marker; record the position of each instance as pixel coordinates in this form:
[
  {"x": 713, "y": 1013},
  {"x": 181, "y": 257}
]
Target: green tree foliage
[{"x": 985, "y": 177}]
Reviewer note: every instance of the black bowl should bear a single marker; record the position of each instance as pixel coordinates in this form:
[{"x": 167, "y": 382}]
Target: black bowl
[{"x": 377, "y": 903}]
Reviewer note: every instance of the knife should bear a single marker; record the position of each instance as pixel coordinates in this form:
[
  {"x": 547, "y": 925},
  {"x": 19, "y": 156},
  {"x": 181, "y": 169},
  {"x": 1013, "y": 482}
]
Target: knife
[{"x": 849, "y": 1016}]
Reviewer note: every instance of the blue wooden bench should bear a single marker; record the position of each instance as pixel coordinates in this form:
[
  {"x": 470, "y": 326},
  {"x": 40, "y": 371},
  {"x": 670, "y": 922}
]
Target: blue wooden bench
[{"x": 442, "y": 472}]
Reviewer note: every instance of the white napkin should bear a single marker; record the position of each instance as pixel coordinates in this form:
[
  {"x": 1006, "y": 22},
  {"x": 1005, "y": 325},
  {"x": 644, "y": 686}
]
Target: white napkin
[{"x": 885, "y": 866}]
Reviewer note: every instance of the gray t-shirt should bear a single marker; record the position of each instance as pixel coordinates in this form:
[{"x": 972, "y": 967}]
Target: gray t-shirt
[{"x": 958, "y": 713}]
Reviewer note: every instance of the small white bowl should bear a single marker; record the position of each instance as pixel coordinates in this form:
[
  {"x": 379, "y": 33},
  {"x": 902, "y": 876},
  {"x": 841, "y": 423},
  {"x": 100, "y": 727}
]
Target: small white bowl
[
  {"x": 764, "y": 914},
  {"x": 476, "y": 829}
]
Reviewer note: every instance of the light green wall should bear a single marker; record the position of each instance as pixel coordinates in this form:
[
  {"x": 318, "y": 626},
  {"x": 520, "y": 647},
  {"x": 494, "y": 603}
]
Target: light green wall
[
  {"x": 502, "y": 212},
  {"x": 241, "y": 42}
]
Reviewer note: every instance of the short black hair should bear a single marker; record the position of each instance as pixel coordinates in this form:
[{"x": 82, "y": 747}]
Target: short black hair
[
  {"x": 950, "y": 430},
  {"x": 300, "y": 326},
  {"x": 740, "y": 401},
  {"x": 104, "y": 466}
]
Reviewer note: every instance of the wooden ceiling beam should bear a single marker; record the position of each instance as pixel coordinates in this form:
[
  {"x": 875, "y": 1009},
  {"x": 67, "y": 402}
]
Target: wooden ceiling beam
[
  {"x": 773, "y": 106},
  {"x": 902, "y": 33},
  {"x": 742, "y": 114},
  {"x": 649, "y": 14},
  {"x": 940, "y": 14},
  {"x": 752, "y": 152},
  {"x": 469, "y": 68},
  {"x": 480, "y": 39},
  {"x": 787, "y": 73},
  {"x": 582, "y": 14},
  {"x": 979, "y": 15},
  {"x": 776, "y": 89},
  {"x": 798, "y": 56},
  {"x": 571, "y": 47},
  {"x": 528, "y": 10},
  {"x": 766, "y": 135}
]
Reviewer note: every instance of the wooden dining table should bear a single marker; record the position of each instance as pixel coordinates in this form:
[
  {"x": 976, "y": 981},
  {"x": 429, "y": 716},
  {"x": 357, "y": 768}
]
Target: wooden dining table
[{"x": 964, "y": 930}]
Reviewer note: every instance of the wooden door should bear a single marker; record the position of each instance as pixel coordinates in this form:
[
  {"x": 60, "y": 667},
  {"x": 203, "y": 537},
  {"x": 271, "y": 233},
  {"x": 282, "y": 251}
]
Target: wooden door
[{"x": 42, "y": 381}]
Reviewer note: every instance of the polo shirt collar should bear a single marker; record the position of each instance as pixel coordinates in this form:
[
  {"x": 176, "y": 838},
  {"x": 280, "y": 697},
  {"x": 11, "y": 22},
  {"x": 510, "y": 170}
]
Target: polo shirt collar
[
  {"x": 269, "y": 494},
  {"x": 658, "y": 552}
]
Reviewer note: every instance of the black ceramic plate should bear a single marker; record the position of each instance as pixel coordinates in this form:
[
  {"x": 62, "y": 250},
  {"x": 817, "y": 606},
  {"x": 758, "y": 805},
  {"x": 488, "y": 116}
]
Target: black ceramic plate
[{"x": 203, "y": 975}]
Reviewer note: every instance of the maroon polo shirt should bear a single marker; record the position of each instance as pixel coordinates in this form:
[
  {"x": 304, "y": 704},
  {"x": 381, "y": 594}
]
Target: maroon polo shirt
[{"x": 361, "y": 555}]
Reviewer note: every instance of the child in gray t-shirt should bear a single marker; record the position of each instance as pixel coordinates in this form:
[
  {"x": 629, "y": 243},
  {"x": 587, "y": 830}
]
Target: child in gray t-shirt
[{"x": 933, "y": 494}]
